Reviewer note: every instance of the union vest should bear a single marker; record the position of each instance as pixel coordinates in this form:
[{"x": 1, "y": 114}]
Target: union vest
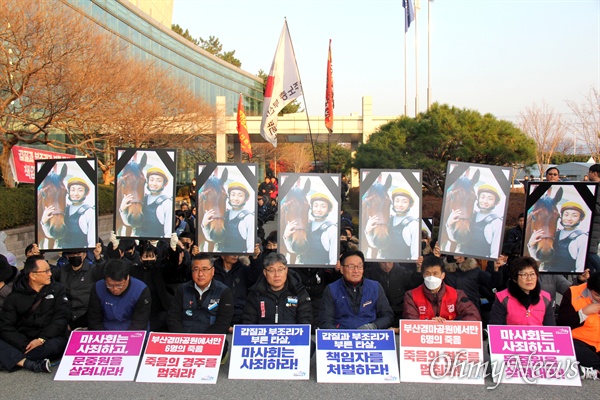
[
  {"x": 344, "y": 312},
  {"x": 117, "y": 311},
  {"x": 589, "y": 332},
  {"x": 447, "y": 305},
  {"x": 517, "y": 314},
  {"x": 198, "y": 316}
]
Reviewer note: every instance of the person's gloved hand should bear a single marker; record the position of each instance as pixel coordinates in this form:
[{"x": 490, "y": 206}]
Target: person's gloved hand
[
  {"x": 114, "y": 240},
  {"x": 173, "y": 242},
  {"x": 368, "y": 326}
]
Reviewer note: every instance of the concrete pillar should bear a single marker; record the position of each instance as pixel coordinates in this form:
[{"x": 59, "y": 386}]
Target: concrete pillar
[
  {"x": 219, "y": 129},
  {"x": 367, "y": 117}
]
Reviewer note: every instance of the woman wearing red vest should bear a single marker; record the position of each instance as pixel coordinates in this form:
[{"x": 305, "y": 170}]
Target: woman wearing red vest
[
  {"x": 523, "y": 302},
  {"x": 580, "y": 309}
]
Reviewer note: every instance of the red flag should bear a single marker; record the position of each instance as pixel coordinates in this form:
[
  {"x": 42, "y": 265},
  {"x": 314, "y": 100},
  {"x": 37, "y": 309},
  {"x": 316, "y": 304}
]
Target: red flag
[
  {"x": 329, "y": 94},
  {"x": 283, "y": 85},
  {"x": 242, "y": 128}
]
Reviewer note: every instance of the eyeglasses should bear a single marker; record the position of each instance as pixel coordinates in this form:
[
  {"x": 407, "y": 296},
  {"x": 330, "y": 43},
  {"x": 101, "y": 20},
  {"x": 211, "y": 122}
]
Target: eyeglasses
[
  {"x": 530, "y": 275},
  {"x": 354, "y": 267},
  {"x": 274, "y": 271},
  {"x": 201, "y": 270},
  {"x": 46, "y": 271},
  {"x": 117, "y": 286}
]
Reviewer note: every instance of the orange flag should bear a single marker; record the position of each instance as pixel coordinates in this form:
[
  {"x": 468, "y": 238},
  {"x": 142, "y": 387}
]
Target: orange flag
[
  {"x": 329, "y": 94},
  {"x": 242, "y": 128}
]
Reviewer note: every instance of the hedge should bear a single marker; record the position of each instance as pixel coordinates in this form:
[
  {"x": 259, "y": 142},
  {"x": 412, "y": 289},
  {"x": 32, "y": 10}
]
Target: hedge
[{"x": 17, "y": 205}]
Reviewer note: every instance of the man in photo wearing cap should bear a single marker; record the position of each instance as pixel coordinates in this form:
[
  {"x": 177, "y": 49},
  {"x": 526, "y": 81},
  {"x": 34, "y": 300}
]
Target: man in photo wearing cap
[
  {"x": 80, "y": 218},
  {"x": 486, "y": 227},
  {"x": 404, "y": 229},
  {"x": 570, "y": 243},
  {"x": 239, "y": 222},
  {"x": 322, "y": 234},
  {"x": 157, "y": 207}
]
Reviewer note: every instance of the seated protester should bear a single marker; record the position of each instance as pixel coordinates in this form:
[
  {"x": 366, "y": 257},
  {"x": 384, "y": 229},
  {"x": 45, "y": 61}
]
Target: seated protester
[
  {"x": 78, "y": 276},
  {"x": 580, "y": 309},
  {"x": 33, "y": 321},
  {"x": 202, "y": 305},
  {"x": 395, "y": 281},
  {"x": 353, "y": 302},
  {"x": 8, "y": 276},
  {"x": 466, "y": 275},
  {"x": 434, "y": 300},
  {"x": 151, "y": 271},
  {"x": 239, "y": 277},
  {"x": 119, "y": 302},
  {"x": 523, "y": 302},
  {"x": 279, "y": 297}
]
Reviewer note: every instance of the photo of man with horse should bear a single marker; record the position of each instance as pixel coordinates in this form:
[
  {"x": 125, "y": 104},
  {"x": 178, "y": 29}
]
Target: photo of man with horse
[
  {"x": 66, "y": 224},
  {"x": 144, "y": 193},
  {"x": 390, "y": 213},
  {"x": 474, "y": 209},
  {"x": 557, "y": 226}
]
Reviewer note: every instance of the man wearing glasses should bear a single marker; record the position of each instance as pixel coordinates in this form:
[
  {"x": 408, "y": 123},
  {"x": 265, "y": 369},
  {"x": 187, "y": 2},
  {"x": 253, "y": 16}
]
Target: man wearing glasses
[
  {"x": 119, "y": 302},
  {"x": 353, "y": 302},
  {"x": 34, "y": 318},
  {"x": 552, "y": 174},
  {"x": 202, "y": 305},
  {"x": 279, "y": 297}
]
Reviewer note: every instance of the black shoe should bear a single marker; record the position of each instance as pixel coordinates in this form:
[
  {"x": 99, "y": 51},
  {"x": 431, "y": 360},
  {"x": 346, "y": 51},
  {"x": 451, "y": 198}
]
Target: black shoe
[{"x": 38, "y": 366}]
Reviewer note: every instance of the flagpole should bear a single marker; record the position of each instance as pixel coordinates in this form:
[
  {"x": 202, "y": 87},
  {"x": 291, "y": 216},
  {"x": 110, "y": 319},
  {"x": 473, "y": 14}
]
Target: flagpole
[
  {"x": 416, "y": 65},
  {"x": 405, "y": 79},
  {"x": 312, "y": 144},
  {"x": 428, "y": 54}
]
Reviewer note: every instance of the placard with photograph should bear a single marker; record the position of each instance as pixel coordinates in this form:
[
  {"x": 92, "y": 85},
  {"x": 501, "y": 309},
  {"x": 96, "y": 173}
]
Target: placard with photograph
[
  {"x": 309, "y": 219},
  {"x": 557, "y": 224},
  {"x": 474, "y": 210},
  {"x": 390, "y": 211},
  {"x": 66, "y": 204},
  {"x": 145, "y": 192},
  {"x": 226, "y": 207}
]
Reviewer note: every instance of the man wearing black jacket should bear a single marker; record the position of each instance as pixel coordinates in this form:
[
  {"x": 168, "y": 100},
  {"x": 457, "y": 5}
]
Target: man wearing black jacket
[
  {"x": 33, "y": 322},
  {"x": 279, "y": 297}
]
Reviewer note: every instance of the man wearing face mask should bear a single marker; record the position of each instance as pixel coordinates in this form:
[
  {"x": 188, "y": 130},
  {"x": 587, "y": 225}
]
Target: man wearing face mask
[
  {"x": 78, "y": 276},
  {"x": 436, "y": 301}
]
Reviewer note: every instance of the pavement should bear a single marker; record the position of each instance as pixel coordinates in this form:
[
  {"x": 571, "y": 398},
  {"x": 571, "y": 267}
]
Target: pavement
[{"x": 28, "y": 385}]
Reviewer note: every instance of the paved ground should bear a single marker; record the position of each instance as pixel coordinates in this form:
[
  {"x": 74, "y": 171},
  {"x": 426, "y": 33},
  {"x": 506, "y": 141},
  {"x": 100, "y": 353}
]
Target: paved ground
[{"x": 27, "y": 385}]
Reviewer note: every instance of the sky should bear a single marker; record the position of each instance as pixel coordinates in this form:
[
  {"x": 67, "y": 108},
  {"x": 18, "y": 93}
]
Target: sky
[{"x": 493, "y": 56}]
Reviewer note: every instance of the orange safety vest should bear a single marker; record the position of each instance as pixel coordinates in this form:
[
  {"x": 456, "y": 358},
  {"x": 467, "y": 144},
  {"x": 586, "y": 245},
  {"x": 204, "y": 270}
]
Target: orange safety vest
[
  {"x": 447, "y": 307},
  {"x": 589, "y": 332}
]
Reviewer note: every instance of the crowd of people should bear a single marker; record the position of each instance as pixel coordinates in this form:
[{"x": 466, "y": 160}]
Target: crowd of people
[{"x": 169, "y": 285}]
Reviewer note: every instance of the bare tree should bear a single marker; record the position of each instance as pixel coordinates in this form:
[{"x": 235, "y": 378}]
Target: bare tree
[
  {"x": 75, "y": 80},
  {"x": 546, "y": 128},
  {"x": 587, "y": 120}
]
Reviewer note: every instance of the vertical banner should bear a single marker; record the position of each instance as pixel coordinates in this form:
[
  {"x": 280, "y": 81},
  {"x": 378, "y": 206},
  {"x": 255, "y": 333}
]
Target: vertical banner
[
  {"x": 242, "y": 128},
  {"x": 309, "y": 219},
  {"x": 66, "y": 204},
  {"x": 101, "y": 356},
  {"x": 145, "y": 191},
  {"x": 557, "y": 224},
  {"x": 270, "y": 352},
  {"x": 434, "y": 352},
  {"x": 474, "y": 210},
  {"x": 356, "y": 356},
  {"x": 535, "y": 355},
  {"x": 181, "y": 358},
  {"x": 390, "y": 214},
  {"x": 329, "y": 103},
  {"x": 226, "y": 207}
]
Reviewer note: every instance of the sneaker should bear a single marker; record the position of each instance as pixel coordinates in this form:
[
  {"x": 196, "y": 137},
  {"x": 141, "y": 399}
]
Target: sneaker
[
  {"x": 589, "y": 373},
  {"x": 42, "y": 366}
]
